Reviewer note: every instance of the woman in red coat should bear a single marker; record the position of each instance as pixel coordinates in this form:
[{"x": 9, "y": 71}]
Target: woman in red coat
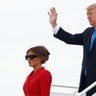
[{"x": 38, "y": 82}]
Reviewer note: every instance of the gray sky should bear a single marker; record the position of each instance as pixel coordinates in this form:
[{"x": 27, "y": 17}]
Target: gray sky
[{"x": 25, "y": 23}]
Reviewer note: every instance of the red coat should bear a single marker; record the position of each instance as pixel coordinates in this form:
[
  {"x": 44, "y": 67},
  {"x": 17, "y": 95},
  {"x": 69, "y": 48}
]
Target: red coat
[{"x": 38, "y": 83}]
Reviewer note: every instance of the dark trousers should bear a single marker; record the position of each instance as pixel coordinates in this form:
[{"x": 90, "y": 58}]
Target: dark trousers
[{"x": 91, "y": 92}]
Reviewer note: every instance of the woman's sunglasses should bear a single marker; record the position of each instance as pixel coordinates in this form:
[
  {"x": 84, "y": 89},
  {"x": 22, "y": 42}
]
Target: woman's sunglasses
[{"x": 31, "y": 57}]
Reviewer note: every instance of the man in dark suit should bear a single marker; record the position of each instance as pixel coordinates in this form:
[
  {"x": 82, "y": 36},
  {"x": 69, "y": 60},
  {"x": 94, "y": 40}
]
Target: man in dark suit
[{"x": 88, "y": 72}]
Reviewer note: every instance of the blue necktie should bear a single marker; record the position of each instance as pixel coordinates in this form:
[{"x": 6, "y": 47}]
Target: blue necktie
[{"x": 93, "y": 38}]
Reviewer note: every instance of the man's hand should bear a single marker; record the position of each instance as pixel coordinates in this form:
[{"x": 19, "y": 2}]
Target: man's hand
[{"x": 53, "y": 17}]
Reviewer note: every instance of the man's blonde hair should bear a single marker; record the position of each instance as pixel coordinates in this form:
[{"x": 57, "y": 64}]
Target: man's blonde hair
[{"x": 91, "y": 6}]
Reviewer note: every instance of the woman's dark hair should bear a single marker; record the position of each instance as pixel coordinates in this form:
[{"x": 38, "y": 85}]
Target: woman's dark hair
[{"x": 40, "y": 51}]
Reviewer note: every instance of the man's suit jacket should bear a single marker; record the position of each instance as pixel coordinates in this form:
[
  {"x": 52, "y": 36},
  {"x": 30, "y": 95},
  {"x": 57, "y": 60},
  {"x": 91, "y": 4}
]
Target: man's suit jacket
[{"x": 89, "y": 57}]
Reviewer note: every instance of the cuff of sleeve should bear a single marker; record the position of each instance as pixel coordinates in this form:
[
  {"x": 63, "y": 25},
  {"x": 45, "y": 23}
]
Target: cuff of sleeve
[{"x": 55, "y": 29}]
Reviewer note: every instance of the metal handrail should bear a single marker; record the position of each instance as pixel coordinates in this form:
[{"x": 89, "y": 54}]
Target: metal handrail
[
  {"x": 86, "y": 89},
  {"x": 61, "y": 86},
  {"x": 64, "y": 86},
  {"x": 80, "y": 93}
]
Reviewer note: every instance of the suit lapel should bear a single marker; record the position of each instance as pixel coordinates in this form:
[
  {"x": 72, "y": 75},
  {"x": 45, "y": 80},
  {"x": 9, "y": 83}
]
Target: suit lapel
[{"x": 38, "y": 73}]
